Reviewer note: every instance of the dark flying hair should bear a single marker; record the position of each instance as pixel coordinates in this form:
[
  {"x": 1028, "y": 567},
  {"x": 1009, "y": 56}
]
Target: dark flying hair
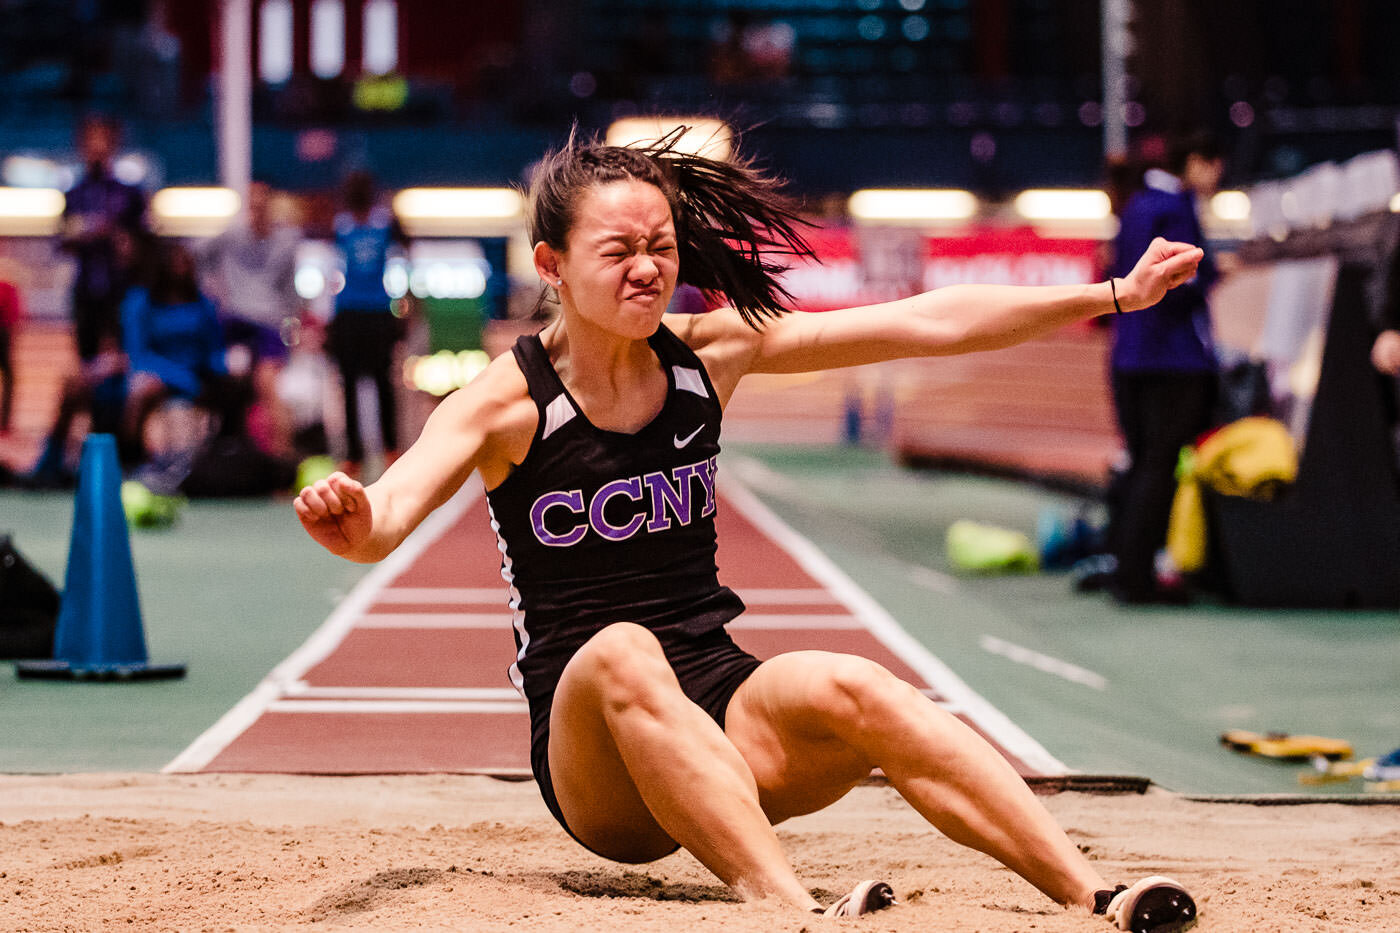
[{"x": 731, "y": 219}]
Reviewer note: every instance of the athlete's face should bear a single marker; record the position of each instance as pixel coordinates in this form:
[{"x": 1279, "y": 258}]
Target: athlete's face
[{"x": 620, "y": 265}]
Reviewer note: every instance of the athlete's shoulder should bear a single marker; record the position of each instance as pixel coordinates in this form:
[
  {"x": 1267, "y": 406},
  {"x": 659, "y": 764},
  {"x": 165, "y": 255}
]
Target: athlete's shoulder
[
  {"x": 496, "y": 411},
  {"x": 499, "y": 389},
  {"x": 704, "y": 332},
  {"x": 725, "y": 344}
]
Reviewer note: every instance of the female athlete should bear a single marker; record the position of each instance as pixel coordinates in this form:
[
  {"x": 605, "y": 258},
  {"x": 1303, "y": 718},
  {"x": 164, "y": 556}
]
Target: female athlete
[{"x": 597, "y": 443}]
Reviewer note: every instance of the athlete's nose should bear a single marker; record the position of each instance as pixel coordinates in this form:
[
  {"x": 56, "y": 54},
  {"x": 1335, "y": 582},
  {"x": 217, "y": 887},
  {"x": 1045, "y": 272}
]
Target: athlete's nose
[{"x": 644, "y": 271}]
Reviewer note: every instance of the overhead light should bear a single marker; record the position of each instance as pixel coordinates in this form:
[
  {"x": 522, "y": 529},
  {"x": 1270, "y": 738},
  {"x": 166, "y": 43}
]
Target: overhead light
[
  {"x": 30, "y": 211},
  {"x": 1395, "y": 204},
  {"x": 911, "y": 205},
  {"x": 704, "y": 136},
  {"x": 193, "y": 211},
  {"x": 1062, "y": 204},
  {"x": 458, "y": 211},
  {"x": 1232, "y": 206}
]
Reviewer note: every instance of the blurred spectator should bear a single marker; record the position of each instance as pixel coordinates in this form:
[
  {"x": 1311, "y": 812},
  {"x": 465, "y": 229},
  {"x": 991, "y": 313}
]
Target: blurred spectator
[
  {"x": 249, "y": 271},
  {"x": 11, "y": 310},
  {"x": 1385, "y": 352},
  {"x": 175, "y": 351},
  {"x": 103, "y": 219},
  {"x": 1163, "y": 365},
  {"x": 364, "y": 329},
  {"x": 97, "y": 389}
]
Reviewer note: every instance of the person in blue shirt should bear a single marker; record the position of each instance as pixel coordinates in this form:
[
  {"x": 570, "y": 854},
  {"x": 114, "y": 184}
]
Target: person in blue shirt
[
  {"x": 1163, "y": 366},
  {"x": 171, "y": 347},
  {"x": 174, "y": 346},
  {"x": 364, "y": 329}
]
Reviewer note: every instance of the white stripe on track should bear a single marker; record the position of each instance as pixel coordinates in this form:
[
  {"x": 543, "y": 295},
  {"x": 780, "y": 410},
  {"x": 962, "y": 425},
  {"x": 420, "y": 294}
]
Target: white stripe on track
[
  {"x": 303, "y": 690},
  {"x": 470, "y": 620},
  {"x": 1043, "y": 662},
  {"x": 886, "y": 629},
  {"x": 481, "y": 596},
  {"x": 326, "y": 638},
  {"x": 476, "y": 620},
  {"x": 447, "y": 595},
  {"x": 398, "y": 706}
]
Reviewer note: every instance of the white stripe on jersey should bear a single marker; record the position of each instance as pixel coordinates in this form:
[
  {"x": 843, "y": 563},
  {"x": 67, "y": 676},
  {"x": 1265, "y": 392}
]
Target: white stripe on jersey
[
  {"x": 518, "y": 618},
  {"x": 690, "y": 380},
  {"x": 557, "y": 414}
]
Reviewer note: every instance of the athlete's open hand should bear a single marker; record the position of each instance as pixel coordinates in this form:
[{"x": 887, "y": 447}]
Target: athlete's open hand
[
  {"x": 1163, "y": 267},
  {"x": 335, "y": 511}
]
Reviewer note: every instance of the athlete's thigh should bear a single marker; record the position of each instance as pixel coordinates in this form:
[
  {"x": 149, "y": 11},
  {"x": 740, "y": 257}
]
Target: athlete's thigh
[
  {"x": 592, "y": 785},
  {"x": 781, "y": 720}
]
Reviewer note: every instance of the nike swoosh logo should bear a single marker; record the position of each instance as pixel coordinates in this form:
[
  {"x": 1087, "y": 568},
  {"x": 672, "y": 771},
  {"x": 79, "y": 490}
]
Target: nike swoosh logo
[{"x": 682, "y": 441}]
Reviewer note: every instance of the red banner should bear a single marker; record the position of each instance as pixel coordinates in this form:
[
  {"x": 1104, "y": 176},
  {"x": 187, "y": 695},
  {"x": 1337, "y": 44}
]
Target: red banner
[{"x": 864, "y": 266}]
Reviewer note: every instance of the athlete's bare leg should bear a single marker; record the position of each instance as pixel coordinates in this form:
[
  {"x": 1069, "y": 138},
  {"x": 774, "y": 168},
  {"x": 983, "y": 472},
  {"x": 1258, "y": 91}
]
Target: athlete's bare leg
[
  {"x": 638, "y": 768},
  {"x": 811, "y": 725}
]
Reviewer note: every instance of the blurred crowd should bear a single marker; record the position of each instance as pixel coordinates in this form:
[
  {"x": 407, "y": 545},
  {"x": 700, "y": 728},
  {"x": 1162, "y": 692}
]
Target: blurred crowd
[{"x": 200, "y": 357}]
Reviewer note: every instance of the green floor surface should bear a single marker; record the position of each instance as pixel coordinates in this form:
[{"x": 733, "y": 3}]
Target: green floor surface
[
  {"x": 235, "y": 587},
  {"x": 230, "y": 591},
  {"x": 1172, "y": 679}
]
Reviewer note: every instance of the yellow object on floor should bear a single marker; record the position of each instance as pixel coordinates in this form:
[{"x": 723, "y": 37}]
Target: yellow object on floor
[{"x": 1285, "y": 747}]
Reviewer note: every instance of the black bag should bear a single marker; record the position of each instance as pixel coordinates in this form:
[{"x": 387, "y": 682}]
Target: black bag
[
  {"x": 232, "y": 465},
  {"x": 28, "y": 607}
]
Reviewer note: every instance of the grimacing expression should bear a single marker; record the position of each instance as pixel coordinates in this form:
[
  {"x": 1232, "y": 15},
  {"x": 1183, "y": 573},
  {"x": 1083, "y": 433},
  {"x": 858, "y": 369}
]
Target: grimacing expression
[{"x": 620, "y": 264}]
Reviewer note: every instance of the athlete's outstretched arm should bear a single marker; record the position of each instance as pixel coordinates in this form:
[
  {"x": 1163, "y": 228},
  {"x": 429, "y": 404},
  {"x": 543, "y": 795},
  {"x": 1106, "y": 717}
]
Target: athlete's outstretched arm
[
  {"x": 961, "y": 318},
  {"x": 477, "y": 427}
]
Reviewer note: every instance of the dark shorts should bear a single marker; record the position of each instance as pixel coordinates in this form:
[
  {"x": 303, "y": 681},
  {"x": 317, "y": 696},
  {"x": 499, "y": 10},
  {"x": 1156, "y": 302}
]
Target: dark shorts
[{"x": 710, "y": 668}]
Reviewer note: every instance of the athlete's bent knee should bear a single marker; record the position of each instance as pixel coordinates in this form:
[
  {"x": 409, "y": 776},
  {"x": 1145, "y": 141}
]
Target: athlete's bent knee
[
  {"x": 859, "y": 691},
  {"x": 626, "y": 664}
]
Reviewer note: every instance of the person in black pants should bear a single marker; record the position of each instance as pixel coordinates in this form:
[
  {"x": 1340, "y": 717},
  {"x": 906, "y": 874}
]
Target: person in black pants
[
  {"x": 1163, "y": 368},
  {"x": 104, "y": 224},
  {"x": 365, "y": 329}
]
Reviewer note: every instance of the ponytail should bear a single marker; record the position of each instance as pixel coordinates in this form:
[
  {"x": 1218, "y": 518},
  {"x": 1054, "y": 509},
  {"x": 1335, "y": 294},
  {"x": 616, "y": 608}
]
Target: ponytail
[{"x": 732, "y": 220}]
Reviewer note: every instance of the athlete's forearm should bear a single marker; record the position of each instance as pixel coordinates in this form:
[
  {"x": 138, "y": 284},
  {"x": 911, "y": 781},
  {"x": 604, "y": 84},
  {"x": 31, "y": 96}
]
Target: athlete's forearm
[{"x": 967, "y": 318}]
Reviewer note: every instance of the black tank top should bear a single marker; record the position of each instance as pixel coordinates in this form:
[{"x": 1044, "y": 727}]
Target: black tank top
[{"x": 597, "y": 527}]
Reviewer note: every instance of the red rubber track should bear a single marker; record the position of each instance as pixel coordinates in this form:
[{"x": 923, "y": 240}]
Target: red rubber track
[{"x": 414, "y": 680}]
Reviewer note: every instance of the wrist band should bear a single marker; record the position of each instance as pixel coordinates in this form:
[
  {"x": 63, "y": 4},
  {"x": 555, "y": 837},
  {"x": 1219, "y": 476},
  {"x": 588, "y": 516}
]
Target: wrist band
[{"x": 1113, "y": 290}]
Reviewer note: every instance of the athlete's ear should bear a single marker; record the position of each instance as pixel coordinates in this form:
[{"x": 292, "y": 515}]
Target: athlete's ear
[{"x": 547, "y": 262}]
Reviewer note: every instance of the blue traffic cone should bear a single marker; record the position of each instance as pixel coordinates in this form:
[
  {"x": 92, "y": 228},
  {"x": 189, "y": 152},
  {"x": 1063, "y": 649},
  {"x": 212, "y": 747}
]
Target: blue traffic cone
[{"x": 99, "y": 635}]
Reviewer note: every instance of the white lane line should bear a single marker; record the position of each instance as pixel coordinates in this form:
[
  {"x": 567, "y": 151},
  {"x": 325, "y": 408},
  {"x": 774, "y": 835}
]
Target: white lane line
[
  {"x": 1043, "y": 662},
  {"x": 797, "y": 596},
  {"x": 481, "y": 596},
  {"x": 399, "y": 706},
  {"x": 326, "y": 638},
  {"x": 446, "y": 595},
  {"x": 304, "y": 690},
  {"x": 992, "y": 721},
  {"x": 473, "y": 620},
  {"x": 796, "y": 621},
  {"x": 931, "y": 579}
]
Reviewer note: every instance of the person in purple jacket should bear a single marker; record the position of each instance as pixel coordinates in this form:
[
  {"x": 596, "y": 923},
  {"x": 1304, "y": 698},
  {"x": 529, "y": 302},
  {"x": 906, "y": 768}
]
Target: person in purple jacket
[{"x": 1163, "y": 368}]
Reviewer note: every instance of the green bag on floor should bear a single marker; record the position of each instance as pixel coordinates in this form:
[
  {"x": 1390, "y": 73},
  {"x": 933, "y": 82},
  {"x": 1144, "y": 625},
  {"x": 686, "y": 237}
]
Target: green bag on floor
[{"x": 980, "y": 548}]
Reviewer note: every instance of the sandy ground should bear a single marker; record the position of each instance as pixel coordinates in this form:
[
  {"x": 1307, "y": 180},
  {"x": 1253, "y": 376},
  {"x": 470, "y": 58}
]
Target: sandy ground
[{"x": 443, "y": 852}]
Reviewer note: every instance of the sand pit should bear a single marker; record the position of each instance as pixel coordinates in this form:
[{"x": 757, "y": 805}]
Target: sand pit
[{"x": 444, "y": 852}]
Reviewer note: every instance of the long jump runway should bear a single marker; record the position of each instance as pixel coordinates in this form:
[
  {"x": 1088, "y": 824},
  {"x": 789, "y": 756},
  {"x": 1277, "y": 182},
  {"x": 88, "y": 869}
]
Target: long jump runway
[{"x": 408, "y": 674}]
